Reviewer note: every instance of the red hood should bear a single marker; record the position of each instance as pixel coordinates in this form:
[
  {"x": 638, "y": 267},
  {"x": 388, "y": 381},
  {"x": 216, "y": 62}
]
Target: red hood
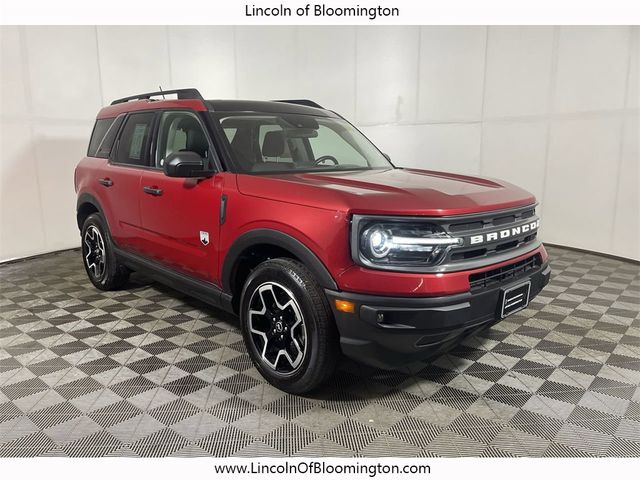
[{"x": 393, "y": 191}]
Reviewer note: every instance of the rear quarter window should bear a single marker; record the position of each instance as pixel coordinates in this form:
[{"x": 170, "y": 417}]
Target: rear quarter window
[
  {"x": 99, "y": 131},
  {"x": 103, "y": 136}
]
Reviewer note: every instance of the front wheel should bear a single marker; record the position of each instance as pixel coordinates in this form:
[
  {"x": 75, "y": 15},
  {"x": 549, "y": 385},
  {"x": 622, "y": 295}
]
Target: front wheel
[{"x": 288, "y": 327}]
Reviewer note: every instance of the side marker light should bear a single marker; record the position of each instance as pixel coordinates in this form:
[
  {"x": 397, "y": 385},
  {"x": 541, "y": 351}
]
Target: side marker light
[{"x": 345, "y": 306}]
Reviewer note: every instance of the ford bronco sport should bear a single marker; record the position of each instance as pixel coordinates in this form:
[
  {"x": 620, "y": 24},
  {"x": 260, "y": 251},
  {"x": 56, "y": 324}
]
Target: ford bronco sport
[{"x": 284, "y": 213}]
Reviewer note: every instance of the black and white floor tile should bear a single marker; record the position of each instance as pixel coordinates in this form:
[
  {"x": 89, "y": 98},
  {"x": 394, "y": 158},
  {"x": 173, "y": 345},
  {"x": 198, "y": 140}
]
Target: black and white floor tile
[{"x": 146, "y": 371}]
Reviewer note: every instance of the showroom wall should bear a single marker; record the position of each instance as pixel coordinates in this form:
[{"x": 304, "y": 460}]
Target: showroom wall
[{"x": 554, "y": 109}]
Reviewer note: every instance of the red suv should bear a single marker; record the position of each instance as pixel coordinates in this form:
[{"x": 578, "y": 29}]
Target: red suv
[{"x": 285, "y": 214}]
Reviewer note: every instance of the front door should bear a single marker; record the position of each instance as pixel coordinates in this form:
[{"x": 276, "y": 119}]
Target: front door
[{"x": 180, "y": 216}]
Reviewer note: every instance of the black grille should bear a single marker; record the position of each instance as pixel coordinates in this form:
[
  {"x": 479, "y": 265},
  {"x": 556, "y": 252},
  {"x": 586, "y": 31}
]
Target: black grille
[
  {"x": 490, "y": 220},
  {"x": 481, "y": 224},
  {"x": 504, "y": 274}
]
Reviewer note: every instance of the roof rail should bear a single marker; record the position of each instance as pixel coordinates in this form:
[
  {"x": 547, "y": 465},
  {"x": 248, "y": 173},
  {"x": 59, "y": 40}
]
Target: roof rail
[
  {"x": 183, "y": 93},
  {"x": 306, "y": 103}
]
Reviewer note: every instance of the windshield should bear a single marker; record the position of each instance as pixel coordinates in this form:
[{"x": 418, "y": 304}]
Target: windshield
[{"x": 282, "y": 142}]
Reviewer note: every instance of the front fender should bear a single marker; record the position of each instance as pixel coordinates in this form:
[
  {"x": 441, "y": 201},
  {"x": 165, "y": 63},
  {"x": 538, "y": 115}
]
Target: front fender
[{"x": 266, "y": 236}]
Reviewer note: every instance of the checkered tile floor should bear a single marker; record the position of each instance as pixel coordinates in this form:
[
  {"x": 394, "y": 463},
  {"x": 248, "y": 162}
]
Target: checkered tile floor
[{"x": 148, "y": 372}]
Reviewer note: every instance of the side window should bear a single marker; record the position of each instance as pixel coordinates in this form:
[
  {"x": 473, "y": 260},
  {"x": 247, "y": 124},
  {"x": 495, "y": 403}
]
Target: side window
[
  {"x": 99, "y": 131},
  {"x": 103, "y": 135},
  {"x": 105, "y": 146},
  {"x": 134, "y": 140},
  {"x": 329, "y": 142},
  {"x": 179, "y": 132}
]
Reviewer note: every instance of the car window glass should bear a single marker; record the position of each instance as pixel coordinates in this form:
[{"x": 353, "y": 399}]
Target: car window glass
[
  {"x": 99, "y": 131},
  {"x": 329, "y": 143},
  {"x": 103, "y": 149},
  {"x": 230, "y": 133},
  {"x": 140, "y": 132},
  {"x": 180, "y": 132},
  {"x": 274, "y": 151},
  {"x": 134, "y": 140},
  {"x": 285, "y": 142}
]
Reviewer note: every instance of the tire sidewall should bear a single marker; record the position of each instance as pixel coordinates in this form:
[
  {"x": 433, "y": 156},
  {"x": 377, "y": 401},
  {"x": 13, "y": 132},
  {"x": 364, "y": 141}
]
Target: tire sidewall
[{"x": 291, "y": 280}]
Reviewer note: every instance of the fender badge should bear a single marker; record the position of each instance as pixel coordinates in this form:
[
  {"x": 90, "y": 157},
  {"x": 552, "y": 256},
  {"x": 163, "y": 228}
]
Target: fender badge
[{"x": 204, "y": 238}]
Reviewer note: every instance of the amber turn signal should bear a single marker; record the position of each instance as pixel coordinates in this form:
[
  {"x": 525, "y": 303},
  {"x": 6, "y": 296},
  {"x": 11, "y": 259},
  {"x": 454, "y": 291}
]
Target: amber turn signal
[{"x": 345, "y": 306}]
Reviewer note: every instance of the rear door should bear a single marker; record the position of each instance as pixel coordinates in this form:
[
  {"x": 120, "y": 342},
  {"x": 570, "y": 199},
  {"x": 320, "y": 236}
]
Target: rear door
[
  {"x": 181, "y": 216},
  {"x": 120, "y": 179}
]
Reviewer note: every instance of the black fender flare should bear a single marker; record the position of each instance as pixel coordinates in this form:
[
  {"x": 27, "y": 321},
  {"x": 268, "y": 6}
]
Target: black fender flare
[
  {"x": 267, "y": 236},
  {"x": 84, "y": 198}
]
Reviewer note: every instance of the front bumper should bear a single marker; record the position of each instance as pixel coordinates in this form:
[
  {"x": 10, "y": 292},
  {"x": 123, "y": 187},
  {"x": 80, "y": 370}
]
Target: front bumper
[{"x": 388, "y": 332}]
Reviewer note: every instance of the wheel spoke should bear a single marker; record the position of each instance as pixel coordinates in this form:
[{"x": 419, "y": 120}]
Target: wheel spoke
[
  {"x": 266, "y": 302},
  {"x": 88, "y": 238}
]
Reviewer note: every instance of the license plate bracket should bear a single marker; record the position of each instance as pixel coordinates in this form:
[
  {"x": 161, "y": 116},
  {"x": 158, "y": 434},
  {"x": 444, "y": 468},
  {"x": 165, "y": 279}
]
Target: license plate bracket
[{"x": 514, "y": 299}]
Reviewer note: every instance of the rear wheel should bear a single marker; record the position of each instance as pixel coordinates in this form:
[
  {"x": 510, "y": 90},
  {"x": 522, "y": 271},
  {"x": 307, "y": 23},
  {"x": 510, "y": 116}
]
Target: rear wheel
[
  {"x": 288, "y": 327},
  {"x": 98, "y": 256}
]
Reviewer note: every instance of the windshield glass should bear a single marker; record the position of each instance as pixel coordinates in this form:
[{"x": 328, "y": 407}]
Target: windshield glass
[{"x": 282, "y": 142}]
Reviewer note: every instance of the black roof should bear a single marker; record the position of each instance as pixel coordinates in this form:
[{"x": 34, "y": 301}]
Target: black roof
[{"x": 284, "y": 106}]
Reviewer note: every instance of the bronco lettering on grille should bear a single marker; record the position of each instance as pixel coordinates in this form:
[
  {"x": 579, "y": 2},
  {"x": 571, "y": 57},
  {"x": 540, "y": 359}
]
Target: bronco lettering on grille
[{"x": 503, "y": 234}]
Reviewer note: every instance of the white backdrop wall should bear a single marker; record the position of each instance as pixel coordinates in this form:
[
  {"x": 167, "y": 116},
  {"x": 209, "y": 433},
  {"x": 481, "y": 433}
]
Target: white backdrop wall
[{"x": 554, "y": 109}]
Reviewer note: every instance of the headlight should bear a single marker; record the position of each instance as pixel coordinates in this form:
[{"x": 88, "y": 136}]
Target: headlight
[
  {"x": 390, "y": 242},
  {"x": 377, "y": 241}
]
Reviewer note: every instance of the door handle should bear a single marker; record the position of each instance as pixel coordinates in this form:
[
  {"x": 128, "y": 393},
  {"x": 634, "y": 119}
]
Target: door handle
[
  {"x": 155, "y": 191},
  {"x": 107, "y": 182}
]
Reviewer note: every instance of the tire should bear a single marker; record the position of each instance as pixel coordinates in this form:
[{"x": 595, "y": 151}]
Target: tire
[
  {"x": 283, "y": 307},
  {"x": 103, "y": 269}
]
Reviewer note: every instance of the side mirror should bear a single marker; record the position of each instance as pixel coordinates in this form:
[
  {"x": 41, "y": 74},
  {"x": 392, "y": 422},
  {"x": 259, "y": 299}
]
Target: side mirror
[
  {"x": 386, "y": 155},
  {"x": 185, "y": 165}
]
